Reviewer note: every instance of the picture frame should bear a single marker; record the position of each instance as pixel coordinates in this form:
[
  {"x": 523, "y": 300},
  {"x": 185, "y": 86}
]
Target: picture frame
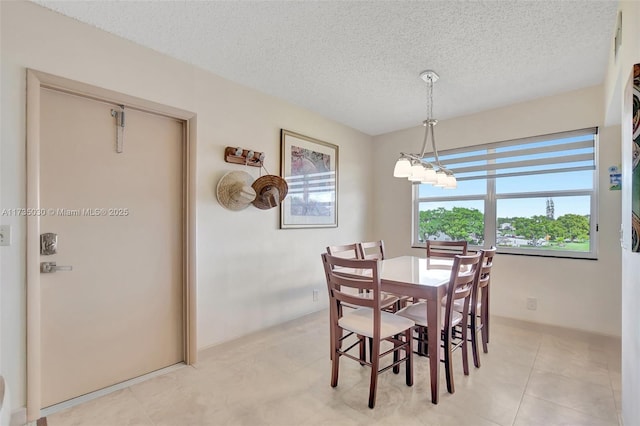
[
  {"x": 310, "y": 167},
  {"x": 635, "y": 166}
]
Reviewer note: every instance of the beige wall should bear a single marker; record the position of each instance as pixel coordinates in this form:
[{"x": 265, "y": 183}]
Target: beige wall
[
  {"x": 556, "y": 283},
  {"x": 250, "y": 275},
  {"x": 620, "y": 109}
]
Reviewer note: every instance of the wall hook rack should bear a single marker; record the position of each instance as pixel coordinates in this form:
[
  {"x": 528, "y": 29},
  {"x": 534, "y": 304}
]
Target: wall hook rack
[{"x": 248, "y": 157}]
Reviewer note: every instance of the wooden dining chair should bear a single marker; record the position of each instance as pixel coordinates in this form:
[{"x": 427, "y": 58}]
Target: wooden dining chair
[
  {"x": 479, "y": 305},
  {"x": 347, "y": 251},
  {"x": 372, "y": 250},
  {"x": 446, "y": 249},
  {"x": 460, "y": 286},
  {"x": 355, "y": 251},
  {"x": 376, "y": 250},
  {"x": 443, "y": 250},
  {"x": 389, "y": 302},
  {"x": 367, "y": 321}
]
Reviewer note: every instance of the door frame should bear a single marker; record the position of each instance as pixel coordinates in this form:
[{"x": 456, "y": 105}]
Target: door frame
[{"x": 36, "y": 81}]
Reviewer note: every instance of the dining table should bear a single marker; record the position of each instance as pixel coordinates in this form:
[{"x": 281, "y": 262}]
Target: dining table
[{"x": 421, "y": 278}]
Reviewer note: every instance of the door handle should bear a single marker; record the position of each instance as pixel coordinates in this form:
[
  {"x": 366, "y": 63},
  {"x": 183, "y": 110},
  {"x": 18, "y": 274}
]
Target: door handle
[{"x": 49, "y": 267}]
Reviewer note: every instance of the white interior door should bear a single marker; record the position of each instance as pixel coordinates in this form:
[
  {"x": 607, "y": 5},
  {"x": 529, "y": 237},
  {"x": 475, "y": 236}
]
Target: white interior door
[{"x": 118, "y": 313}]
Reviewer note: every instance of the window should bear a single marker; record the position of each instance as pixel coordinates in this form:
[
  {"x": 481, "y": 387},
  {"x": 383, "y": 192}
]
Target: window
[{"x": 534, "y": 196}]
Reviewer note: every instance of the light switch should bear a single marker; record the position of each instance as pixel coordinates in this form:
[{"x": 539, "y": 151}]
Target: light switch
[{"x": 5, "y": 235}]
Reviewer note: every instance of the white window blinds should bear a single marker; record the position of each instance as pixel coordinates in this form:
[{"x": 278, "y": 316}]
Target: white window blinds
[{"x": 554, "y": 153}]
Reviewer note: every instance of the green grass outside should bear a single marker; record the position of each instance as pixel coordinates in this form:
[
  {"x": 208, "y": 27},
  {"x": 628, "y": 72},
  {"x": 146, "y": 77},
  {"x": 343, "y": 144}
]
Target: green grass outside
[{"x": 583, "y": 246}]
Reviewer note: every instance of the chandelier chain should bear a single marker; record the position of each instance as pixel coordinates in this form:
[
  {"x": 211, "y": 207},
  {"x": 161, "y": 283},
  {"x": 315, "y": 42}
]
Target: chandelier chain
[
  {"x": 415, "y": 167},
  {"x": 430, "y": 104},
  {"x": 429, "y": 123}
]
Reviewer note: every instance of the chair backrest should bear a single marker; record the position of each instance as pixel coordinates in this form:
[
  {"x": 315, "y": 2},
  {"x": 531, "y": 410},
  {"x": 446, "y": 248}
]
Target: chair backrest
[
  {"x": 446, "y": 249},
  {"x": 461, "y": 284},
  {"x": 339, "y": 285},
  {"x": 372, "y": 250},
  {"x": 482, "y": 278},
  {"x": 347, "y": 251},
  {"x": 484, "y": 271}
]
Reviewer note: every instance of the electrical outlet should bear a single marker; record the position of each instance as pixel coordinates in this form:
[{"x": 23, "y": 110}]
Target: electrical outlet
[
  {"x": 532, "y": 303},
  {"x": 315, "y": 295},
  {"x": 5, "y": 235}
]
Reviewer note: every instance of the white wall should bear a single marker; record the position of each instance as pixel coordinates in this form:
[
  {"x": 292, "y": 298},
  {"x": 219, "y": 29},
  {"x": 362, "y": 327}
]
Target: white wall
[
  {"x": 250, "y": 274},
  {"x": 5, "y": 411},
  {"x": 6, "y": 390},
  {"x": 580, "y": 294},
  {"x": 618, "y": 77}
]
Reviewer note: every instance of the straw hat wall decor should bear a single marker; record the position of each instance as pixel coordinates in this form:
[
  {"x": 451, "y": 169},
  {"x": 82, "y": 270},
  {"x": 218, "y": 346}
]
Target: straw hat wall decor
[
  {"x": 234, "y": 190},
  {"x": 270, "y": 191}
]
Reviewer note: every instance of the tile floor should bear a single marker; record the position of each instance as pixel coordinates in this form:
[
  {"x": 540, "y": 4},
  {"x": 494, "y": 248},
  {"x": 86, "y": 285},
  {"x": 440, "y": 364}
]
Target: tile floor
[{"x": 532, "y": 375}]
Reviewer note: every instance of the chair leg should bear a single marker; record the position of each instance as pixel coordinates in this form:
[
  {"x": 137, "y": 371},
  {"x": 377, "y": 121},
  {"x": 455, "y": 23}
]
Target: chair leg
[
  {"x": 363, "y": 349},
  {"x": 465, "y": 353},
  {"x": 375, "y": 360},
  {"x": 335, "y": 357},
  {"x": 396, "y": 356},
  {"x": 409, "y": 354},
  {"x": 474, "y": 340},
  {"x": 485, "y": 318},
  {"x": 422, "y": 345},
  {"x": 448, "y": 365},
  {"x": 332, "y": 333},
  {"x": 485, "y": 337},
  {"x": 331, "y": 350}
]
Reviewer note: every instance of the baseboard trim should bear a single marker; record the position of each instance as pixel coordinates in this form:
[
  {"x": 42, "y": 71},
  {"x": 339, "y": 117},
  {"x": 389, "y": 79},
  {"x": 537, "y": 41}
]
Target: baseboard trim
[{"x": 47, "y": 411}]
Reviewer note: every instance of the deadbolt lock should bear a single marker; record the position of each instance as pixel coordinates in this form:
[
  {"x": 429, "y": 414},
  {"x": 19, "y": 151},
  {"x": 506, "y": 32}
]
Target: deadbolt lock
[{"x": 48, "y": 244}]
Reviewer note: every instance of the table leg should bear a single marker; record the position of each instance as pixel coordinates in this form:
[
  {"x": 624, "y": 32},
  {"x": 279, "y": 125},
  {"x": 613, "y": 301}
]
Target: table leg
[{"x": 434, "y": 338}]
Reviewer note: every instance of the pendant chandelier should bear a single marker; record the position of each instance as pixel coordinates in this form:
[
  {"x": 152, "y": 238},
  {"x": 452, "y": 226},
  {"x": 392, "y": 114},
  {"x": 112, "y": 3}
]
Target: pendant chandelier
[{"x": 414, "y": 167}]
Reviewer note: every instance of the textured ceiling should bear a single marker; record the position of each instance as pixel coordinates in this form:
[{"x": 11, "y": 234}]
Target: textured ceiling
[{"x": 357, "y": 62}]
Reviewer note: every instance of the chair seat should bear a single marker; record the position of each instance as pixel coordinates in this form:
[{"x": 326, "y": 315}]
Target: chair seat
[
  {"x": 360, "y": 322},
  {"x": 417, "y": 312}
]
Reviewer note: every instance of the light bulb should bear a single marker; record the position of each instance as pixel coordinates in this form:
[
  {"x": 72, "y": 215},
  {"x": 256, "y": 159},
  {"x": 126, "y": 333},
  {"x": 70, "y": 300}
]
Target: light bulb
[
  {"x": 452, "y": 183},
  {"x": 429, "y": 176},
  {"x": 402, "y": 168},
  {"x": 441, "y": 179},
  {"x": 417, "y": 172}
]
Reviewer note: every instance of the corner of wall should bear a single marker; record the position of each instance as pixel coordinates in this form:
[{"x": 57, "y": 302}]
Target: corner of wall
[
  {"x": 18, "y": 417},
  {"x": 619, "y": 66}
]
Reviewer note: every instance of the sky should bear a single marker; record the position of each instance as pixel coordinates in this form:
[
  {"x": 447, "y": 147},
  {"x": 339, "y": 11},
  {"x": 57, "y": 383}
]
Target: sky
[
  {"x": 574, "y": 152},
  {"x": 520, "y": 207}
]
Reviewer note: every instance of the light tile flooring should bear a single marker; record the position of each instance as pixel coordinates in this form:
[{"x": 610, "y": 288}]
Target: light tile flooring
[{"x": 532, "y": 375}]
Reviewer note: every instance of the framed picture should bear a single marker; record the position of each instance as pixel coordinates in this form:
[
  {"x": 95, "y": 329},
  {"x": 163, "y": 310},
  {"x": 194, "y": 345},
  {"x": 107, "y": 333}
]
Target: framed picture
[
  {"x": 310, "y": 167},
  {"x": 635, "y": 166}
]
